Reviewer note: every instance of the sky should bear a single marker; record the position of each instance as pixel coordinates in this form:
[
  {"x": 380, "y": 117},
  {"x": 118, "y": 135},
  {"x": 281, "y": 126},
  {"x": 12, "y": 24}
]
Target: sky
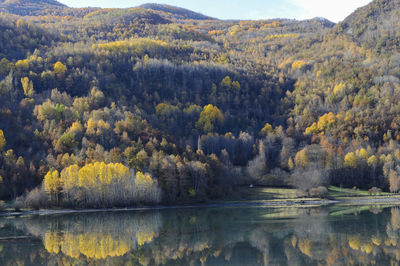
[{"x": 334, "y": 10}]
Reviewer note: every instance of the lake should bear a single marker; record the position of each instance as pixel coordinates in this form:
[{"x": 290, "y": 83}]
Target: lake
[{"x": 334, "y": 235}]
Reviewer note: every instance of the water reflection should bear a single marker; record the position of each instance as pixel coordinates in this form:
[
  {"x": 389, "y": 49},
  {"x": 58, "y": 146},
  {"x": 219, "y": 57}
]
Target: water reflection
[{"x": 222, "y": 236}]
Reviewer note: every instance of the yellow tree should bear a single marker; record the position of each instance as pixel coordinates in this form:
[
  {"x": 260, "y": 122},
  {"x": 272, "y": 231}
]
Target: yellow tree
[
  {"x": 350, "y": 160},
  {"x": 70, "y": 179},
  {"x": 144, "y": 185},
  {"x": 363, "y": 154},
  {"x": 267, "y": 129},
  {"x": 226, "y": 82},
  {"x": 52, "y": 183},
  {"x": 290, "y": 164},
  {"x": 394, "y": 181},
  {"x": 313, "y": 129},
  {"x": 27, "y": 86},
  {"x": 2, "y": 140},
  {"x": 373, "y": 161},
  {"x": 299, "y": 64},
  {"x": 301, "y": 158},
  {"x": 210, "y": 118},
  {"x": 59, "y": 68}
]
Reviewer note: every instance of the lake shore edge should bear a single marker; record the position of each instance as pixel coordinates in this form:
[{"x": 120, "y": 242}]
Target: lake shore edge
[{"x": 272, "y": 203}]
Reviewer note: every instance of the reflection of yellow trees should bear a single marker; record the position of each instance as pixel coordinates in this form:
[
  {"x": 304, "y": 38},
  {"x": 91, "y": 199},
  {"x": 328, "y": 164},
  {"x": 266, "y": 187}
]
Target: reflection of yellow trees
[
  {"x": 305, "y": 247},
  {"x": 395, "y": 219},
  {"x": 91, "y": 245},
  {"x": 52, "y": 242},
  {"x": 376, "y": 240},
  {"x": 102, "y": 238},
  {"x": 387, "y": 244},
  {"x": 355, "y": 242},
  {"x": 144, "y": 237},
  {"x": 70, "y": 246},
  {"x": 101, "y": 246},
  {"x": 367, "y": 248},
  {"x": 87, "y": 240},
  {"x": 294, "y": 241}
]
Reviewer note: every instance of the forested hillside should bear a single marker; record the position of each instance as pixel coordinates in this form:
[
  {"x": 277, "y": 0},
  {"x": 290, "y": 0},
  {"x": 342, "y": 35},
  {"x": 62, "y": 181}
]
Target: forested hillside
[{"x": 185, "y": 107}]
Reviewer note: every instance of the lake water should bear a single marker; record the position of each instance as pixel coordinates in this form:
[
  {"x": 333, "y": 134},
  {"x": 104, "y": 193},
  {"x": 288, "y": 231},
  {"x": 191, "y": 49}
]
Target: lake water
[{"x": 334, "y": 235}]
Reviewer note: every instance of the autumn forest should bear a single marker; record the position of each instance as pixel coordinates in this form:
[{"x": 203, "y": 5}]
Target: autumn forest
[{"x": 161, "y": 105}]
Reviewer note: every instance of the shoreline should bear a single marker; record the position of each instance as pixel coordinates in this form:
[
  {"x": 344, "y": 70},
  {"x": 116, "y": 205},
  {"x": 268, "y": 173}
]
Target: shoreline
[{"x": 268, "y": 203}]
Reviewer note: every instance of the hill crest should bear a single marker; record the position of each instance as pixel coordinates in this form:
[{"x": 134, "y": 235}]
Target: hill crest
[{"x": 178, "y": 12}]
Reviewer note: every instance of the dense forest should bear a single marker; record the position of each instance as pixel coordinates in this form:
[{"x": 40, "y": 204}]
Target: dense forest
[{"x": 158, "y": 104}]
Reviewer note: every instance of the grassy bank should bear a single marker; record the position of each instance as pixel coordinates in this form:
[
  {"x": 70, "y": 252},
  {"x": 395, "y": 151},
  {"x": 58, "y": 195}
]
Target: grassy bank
[
  {"x": 247, "y": 194},
  {"x": 259, "y": 196}
]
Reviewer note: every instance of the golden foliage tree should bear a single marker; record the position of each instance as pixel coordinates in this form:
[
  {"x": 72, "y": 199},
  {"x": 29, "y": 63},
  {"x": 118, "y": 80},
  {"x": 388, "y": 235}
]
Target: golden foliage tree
[
  {"x": 210, "y": 118},
  {"x": 267, "y": 129},
  {"x": 2, "y": 140},
  {"x": 351, "y": 160},
  {"x": 301, "y": 158},
  {"x": 102, "y": 185},
  {"x": 52, "y": 183},
  {"x": 59, "y": 68},
  {"x": 27, "y": 86},
  {"x": 394, "y": 181}
]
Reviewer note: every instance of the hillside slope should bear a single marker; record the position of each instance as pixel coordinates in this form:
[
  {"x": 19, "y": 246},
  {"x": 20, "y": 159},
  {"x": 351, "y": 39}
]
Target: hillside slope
[
  {"x": 376, "y": 25},
  {"x": 202, "y": 105},
  {"x": 29, "y": 7}
]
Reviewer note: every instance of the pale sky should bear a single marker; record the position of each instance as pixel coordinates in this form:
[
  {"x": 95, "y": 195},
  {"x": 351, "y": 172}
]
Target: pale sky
[{"x": 334, "y": 10}]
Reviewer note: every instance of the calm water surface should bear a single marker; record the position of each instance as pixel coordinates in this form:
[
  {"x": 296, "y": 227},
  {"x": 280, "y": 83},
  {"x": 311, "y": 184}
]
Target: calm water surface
[{"x": 333, "y": 235}]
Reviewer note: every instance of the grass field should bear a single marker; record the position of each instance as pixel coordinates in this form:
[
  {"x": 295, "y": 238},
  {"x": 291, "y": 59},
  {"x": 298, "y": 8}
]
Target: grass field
[
  {"x": 245, "y": 193},
  {"x": 265, "y": 193},
  {"x": 337, "y": 192}
]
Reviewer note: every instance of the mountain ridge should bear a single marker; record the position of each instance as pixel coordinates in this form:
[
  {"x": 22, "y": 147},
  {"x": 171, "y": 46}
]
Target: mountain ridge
[
  {"x": 178, "y": 11},
  {"x": 29, "y": 7}
]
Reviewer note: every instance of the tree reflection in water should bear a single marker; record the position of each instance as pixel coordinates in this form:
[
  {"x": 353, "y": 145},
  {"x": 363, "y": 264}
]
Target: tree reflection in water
[{"x": 215, "y": 236}]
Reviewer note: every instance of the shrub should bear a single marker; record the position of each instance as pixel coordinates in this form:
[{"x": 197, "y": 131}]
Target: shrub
[
  {"x": 3, "y": 206},
  {"x": 19, "y": 203},
  {"x": 37, "y": 198},
  {"x": 319, "y": 192}
]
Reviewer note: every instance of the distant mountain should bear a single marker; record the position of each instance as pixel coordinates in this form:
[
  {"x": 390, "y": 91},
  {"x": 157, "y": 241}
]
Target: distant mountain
[
  {"x": 29, "y": 7},
  {"x": 376, "y": 24},
  {"x": 324, "y": 21},
  {"x": 176, "y": 12},
  {"x": 126, "y": 16}
]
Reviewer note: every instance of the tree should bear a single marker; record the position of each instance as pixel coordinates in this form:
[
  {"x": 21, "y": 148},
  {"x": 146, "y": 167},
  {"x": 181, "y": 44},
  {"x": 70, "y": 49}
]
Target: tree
[
  {"x": 267, "y": 129},
  {"x": 59, "y": 68},
  {"x": 363, "y": 154},
  {"x": 102, "y": 185},
  {"x": 27, "y": 86},
  {"x": 350, "y": 160},
  {"x": 311, "y": 177},
  {"x": 394, "y": 181},
  {"x": 210, "y": 119},
  {"x": 372, "y": 161},
  {"x": 226, "y": 82},
  {"x": 290, "y": 164},
  {"x": 257, "y": 167},
  {"x": 7, "y": 84},
  {"x": 52, "y": 183},
  {"x": 2, "y": 140},
  {"x": 301, "y": 158}
]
